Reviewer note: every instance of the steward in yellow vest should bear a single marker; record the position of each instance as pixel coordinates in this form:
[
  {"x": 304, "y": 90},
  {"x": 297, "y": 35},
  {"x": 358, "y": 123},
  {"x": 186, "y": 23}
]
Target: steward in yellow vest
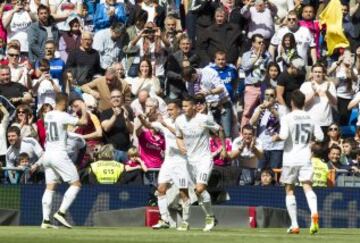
[{"x": 107, "y": 171}]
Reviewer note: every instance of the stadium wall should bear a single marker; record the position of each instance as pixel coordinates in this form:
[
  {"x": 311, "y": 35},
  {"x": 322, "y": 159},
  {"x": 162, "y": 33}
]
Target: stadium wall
[{"x": 338, "y": 207}]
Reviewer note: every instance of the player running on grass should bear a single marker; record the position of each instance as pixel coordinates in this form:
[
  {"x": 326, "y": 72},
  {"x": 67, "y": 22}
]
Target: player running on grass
[
  {"x": 56, "y": 161},
  {"x": 192, "y": 132},
  {"x": 297, "y": 130}
]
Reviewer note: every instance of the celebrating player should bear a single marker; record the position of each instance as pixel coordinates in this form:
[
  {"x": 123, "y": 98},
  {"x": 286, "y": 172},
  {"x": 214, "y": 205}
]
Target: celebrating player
[
  {"x": 56, "y": 161},
  {"x": 173, "y": 170},
  {"x": 297, "y": 129},
  {"x": 192, "y": 132}
]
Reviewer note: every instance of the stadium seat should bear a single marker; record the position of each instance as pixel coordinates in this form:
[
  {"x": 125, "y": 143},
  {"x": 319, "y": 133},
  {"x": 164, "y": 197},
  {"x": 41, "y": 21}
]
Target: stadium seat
[{"x": 350, "y": 129}]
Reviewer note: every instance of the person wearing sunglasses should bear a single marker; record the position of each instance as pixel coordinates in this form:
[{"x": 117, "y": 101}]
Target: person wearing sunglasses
[
  {"x": 334, "y": 135},
  {"x": 266, "y": 118},
  {"x": 24, "y": 119},
  {"x": 19, "y": 71},
  {"x": 303, "y": 37}
]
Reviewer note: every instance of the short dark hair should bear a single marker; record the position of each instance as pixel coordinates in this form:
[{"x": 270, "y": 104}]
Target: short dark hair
[
  {"x": 141, "y": 15},
  {"x": 219, "y": 52},
  {"x": 318, "y": 64},
  {"x": 43, "y": 7},
  {"x": 23, "y": 156},
  {"x": 189, "y": 98},
  {"x": 253, "y": 38},
  {"x": 249, "y": 128},
  {"x": 44, "y": 65},
  {"x": 318, "y": 149},
  {"x": 298, "y": 99},
  {"x": 176, "y": 102},
  {"x": 60, "y": 97},
  {"x": 4, "y": 67},
  {"x": 334, "y": 146},
  {"x": 187, "y": 72},
  {"x": 50, "y": 42},
  {"x": 118, "y": 27},
  {"x": 14, "y": 129}
]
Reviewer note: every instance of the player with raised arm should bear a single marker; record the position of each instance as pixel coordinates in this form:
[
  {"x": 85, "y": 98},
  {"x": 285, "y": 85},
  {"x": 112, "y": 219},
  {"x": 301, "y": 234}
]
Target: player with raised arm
[
  {"x": 297, "y": 130},
  {"x": 173, "y": 170},
  {"x": 56, "y": 161},
  {"x": 193, "y": 140}
]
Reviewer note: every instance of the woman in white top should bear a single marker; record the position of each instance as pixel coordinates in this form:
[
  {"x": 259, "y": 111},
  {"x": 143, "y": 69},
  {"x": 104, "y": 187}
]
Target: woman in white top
[
  {"x": 4, "y": 121},
  {"x": 20, "y": 72},
  {"x": 145, "y": 80},
  {"x": 24, "y": 119},
  {"x": 347, "y": 85}
]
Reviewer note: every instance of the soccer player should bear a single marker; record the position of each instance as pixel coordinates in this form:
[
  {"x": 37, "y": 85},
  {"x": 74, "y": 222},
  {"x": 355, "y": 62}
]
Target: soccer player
[
  {"x": 173, "y": 170},
  {"x": 192, "y": 132},
  {"x": 297, "y": 130},
  {"x": 56, "y": 160}
]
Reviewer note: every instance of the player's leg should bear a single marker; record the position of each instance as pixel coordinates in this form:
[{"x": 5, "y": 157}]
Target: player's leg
[
  {"x": 306, "y": 174},
  {"x": 47, "y": 200},
  {"x": 69, "y": 174},
  {"x": 163, "y": 207},
  {"x": 289, "y": 177}
]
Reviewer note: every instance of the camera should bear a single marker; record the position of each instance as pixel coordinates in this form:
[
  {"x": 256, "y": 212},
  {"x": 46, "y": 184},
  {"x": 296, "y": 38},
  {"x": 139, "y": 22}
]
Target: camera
[{"x": 149, "y": 31}]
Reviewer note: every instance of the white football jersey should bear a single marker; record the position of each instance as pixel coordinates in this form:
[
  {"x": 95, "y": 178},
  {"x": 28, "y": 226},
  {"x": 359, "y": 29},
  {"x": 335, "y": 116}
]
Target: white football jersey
[
  {"x": 195, "y": 132},
  {"x": 56, "y": 123},
  {"x": 172, "y": 152},
  {"x": 298, "y": 129}
]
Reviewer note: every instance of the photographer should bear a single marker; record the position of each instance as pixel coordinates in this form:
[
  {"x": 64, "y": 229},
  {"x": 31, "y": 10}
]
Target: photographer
[
  {"x": 17, "y": 22},
  {"x": 149, "y": 44},
  {"x": 266, "y": 118},
  {"x": 347, "y": 85}
]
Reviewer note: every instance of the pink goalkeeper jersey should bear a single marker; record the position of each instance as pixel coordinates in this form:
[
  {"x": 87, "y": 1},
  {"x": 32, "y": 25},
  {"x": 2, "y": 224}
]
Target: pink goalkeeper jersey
[
  {"x": 215, "y": 144},
  {"x": 151, "y": 147}
]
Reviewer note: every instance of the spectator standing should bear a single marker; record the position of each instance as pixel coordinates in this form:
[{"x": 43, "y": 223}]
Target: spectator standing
[
  {"x": 17, "y": 22},
  {"x": 184, "y": 57},
  {"x": 151, "y": 141},
  {"x": 101, "y": 88},
  {"x": 15, "y": 92},
  {"x": 155, "y": 12},
  {"x": 282, "y": 7},
  {"x": 84, "y": 61},
  {"x": 289, "y": 80},
  {"x": 320, "y": 97},
  {"x": 117, "y": 125},
  {"x": 109, "y": 43},
  {"x": 254, "y": 63},
  {"x": 107, "y": 13},
  {"x": 41, "y": 31},
  {"x": 308, "y": 21},
  {"x": 57, "y": 65},
  {"x": 248, "y": 150},
  {"x": 146, "y": 80},
  {"x": 20, "y": 72},
  {"x": 266, "y": 118},
  {"x": 347, "y": 85},
  {"x": 61, "y": 10},
  {"x": 24, "y": 119},
  {"x": 4, "y": 122},
  {"x": 220, "y": 36},
  {"x": 71, "y": 38},
  {"x": 261, "y": 19},
  {"x": 303, "y": 37}
]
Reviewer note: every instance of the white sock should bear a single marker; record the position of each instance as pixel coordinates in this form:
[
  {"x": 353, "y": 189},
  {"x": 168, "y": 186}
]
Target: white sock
[
  {"x": 291, "y": 208},
  {"x": 46, "y": 204},
  {"x": 205, "y": 203},
  {"x": 312, "y": 202},
  {"x": 163, "y": 208},
  {"x": 185, "y": 209},
  {"x": 69, "y": 197}
]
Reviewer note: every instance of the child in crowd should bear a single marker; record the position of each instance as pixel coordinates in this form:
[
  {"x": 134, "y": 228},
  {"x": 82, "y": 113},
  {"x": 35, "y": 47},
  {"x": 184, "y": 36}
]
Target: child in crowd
[
  {"x": 134, "y": 162},
  {"x": 267, "y": 177},
  {"x": 347, "y": 148}
]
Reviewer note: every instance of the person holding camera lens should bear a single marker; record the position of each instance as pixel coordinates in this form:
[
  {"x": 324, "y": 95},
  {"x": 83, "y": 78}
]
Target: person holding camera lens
[{"x": 266, "y": 118}]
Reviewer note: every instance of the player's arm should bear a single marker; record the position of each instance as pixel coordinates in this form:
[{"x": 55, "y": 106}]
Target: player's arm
[
  {"x": 211, "y": 124},
  {"x": 83, "y": 119},
  {"x": 284, "y": 132},
  {"x": 139, "y": 124},
  {"x": 318, "y": 133}
]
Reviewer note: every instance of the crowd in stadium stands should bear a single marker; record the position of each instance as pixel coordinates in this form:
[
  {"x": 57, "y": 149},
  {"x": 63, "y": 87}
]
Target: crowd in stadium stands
[{"x": 124, "y": 59}]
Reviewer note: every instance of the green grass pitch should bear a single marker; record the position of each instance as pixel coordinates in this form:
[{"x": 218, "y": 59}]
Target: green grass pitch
[{"x": 143, "y": 235}]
